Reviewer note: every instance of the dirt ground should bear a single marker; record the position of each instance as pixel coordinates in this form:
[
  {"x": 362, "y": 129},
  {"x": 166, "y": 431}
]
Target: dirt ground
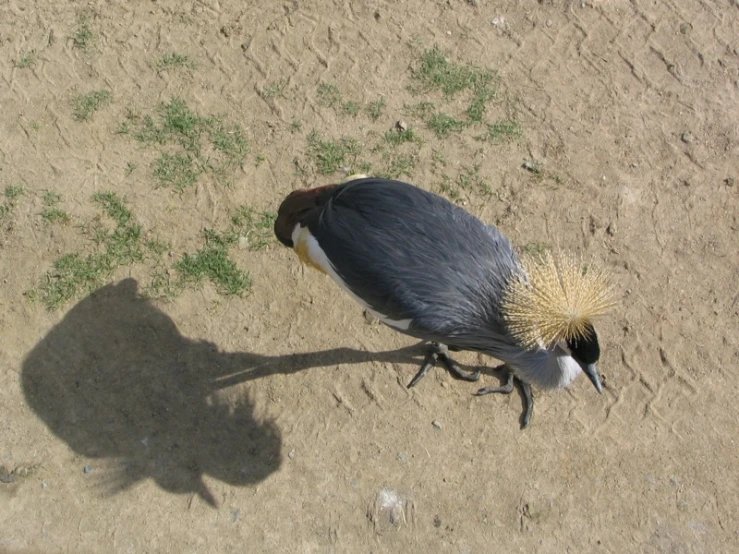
[{"x": 278, "y": 420}]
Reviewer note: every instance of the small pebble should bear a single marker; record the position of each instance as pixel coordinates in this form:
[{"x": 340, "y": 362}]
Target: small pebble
[
  {"x": 291, "y": 454},
  {"x": 687, "y": 138},
  {"x": 402, "y": 457},
  {"x": 611, "y": 229},
  {"x": 369, "y": 318},
  {"x": 685, "y": 28},
  {"x": 43, "y": 484},
  {"x": 549, "y": 22},
  {"x": 729, "y": 181},
  {"x": 401, "y": 125},
  {"x": 87, "y": 469},
  {"x": 436, "y": 424}
]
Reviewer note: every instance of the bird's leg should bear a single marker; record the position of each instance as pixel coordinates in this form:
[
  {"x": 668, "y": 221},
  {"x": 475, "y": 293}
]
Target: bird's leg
[
  {"x": 528, "y": 396},
  {"x": 441, "y": 352}
]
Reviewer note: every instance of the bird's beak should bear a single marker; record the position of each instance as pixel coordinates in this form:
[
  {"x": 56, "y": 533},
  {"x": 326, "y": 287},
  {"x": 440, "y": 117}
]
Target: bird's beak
[{"x": 592, "y": 372}]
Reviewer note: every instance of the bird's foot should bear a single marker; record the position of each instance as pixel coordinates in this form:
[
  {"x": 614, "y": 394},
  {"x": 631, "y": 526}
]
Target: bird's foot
[
  {"x": 528, "y": 397},
  {"x": 441, "y": 352}
]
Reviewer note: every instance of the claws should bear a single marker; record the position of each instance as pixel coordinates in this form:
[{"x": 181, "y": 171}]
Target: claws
[
  {"x": 528, "y": 396},
  {"x": 441, "y": 352}
]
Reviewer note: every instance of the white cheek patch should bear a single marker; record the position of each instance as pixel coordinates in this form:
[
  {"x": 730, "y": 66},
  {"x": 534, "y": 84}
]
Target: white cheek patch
[
  {"x": 301, "y": 235},
  {"x": 569, "y": 368}
]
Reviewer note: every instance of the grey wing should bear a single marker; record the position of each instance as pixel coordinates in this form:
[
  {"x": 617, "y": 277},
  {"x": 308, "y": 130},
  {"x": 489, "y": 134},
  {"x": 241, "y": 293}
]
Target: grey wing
[{"x": 412, "y": 255}]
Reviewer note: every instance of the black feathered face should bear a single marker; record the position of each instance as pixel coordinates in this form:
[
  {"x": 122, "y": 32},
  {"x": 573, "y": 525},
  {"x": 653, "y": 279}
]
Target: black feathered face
[{"x": 587, "y": 350}]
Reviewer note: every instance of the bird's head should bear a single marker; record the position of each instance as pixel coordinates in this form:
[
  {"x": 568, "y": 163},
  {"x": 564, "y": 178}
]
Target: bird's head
[{"x": 554, "y": 302}]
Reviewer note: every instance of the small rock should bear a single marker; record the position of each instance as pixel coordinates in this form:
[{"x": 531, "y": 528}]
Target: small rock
[
  {"x": 473, "y": 3},
  {"x": 729, "y": 181},
  {"x": 87, "y": 469},
  {"x": 530, "y": 166},
  {"x": 436, "y": 424},
  {"x": 437, "y": 521},
  {"x": 171, "y": 254},
  {"x": 377, "y": 16},
  {"x": 687, "y": 138},
  {"x": 402, "y": 457},
  {"x": 389, "y": 510},
  {"x": 369, "y": 318},
  {"x": 685, "y": 28},
  {"x": 235, "y": 515},
  {"x": 549, "y": 22},
  {"x": 401, "y": 125},
  {"x": 43, "y": 484},
  {"x": 6, "y": 476},
  {"x": 291, "y": 454},
  {"x": 611, "y": 229}
]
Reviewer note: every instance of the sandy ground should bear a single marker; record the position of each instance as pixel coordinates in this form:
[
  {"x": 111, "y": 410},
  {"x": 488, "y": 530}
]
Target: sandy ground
[{"x": 279, "y": 421}]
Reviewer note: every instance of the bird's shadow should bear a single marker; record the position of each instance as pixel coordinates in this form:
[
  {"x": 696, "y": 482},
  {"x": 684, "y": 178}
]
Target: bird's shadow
[{"x": 115, "y": 379}]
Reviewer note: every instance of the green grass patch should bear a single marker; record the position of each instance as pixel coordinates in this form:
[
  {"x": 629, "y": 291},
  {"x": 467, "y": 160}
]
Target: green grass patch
[
  {"x": 444, "y": 125},
  {"x": 27, "y": 59},
  {"x": 202, "y": 144},
  {"x": 173, "y": 60},
  {"x": 176, "y": 170},
  {"x": 118, "y": 243},
  {"x": 396, "y": 137},
  {"x": 276, "y": 89},
  {"x": 85, "y": 105},
  {"x": 330, "y": 155},
  {"x": 468, "y": 181},
  {"x": 434, "y": 71},
  {"x": 375, "y": 109},
  {"x": 11, "y": 195},
  {"x": 83, "y": 36},
  {"x": 213, "y": 263},
  {"x": 501, "y": 132},
  {"x": 52, "y": 213},
  {"x": 397, "y": 166},
  {"x": 329, "y": 95},
  {"x": 13, "y": 192},
  {"x": 116, "y": 240}
]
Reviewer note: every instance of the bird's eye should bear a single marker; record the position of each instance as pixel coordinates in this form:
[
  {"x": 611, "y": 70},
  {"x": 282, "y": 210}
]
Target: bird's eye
[{"x": 586, "y": 350}]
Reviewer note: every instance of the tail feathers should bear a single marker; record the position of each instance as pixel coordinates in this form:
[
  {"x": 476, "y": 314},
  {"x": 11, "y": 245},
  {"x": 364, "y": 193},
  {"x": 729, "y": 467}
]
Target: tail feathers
[{"x": 298, "y": 206}]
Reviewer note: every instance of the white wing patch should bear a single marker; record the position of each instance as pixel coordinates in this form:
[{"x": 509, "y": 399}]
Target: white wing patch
[{"x": 307, "y": 243}]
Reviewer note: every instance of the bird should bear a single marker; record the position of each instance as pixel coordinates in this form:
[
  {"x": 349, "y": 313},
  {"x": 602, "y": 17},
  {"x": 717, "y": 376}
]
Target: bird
[{"x": 430, "y": 269}]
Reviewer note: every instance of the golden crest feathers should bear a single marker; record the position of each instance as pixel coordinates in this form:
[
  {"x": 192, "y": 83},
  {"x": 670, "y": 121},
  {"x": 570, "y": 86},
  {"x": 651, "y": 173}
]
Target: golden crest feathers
[{"x": 556, "y": 299}]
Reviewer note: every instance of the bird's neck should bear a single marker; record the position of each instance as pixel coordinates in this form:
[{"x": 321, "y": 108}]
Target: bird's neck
[{"x": 549, "y": 369}]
